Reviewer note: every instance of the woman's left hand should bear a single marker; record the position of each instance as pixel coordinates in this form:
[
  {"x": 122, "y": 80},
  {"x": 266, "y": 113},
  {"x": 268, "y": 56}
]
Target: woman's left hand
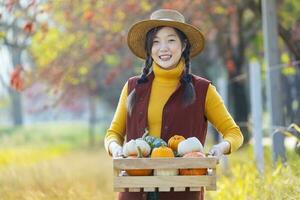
[{"x": 220, "y": 149}]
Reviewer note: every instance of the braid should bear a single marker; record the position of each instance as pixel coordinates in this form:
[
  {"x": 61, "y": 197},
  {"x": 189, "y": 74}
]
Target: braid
[
  {"x": 189, "y": 91},
  {"x": 148, "y": 61},
  {"x": 145, "y": 70},
  {"x": 131, "y": 99}
]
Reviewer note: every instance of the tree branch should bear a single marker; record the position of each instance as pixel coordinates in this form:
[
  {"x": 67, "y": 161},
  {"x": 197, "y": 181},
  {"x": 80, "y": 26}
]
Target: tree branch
[
  {"x": 286, "y": 36},
  {"x": 254, "y": 25},
  {"x": 283, "y": 33}
]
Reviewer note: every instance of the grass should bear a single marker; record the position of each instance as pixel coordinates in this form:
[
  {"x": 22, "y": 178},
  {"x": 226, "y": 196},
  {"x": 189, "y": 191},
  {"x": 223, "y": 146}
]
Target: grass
[
  {"x": 30, "y": 155},
  {"x": 243, "y": 181},
  {"x": 84, "y": 175},
  {"x": 54, "y": 163},
  {"x": 70, "y": 134},
  {"x": 30, "y": 144}
]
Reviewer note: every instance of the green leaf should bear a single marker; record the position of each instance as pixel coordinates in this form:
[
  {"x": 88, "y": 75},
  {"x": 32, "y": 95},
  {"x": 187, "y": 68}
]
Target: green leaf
[{"x": 112, "y": 60}]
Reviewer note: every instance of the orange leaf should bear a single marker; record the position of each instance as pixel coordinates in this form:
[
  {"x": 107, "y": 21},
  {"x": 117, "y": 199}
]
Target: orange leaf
[
  {"x": 16, "y": 81},
  {"x": 88, "y": 15},
  {"x": 28, "y": 27}
]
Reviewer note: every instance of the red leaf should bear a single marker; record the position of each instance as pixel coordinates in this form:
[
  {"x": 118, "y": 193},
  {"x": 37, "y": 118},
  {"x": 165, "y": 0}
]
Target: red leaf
[
  {"x": 28, "y": 27},
  {"x": 16, "y": 81},
  {"x": 88, "y": 15},
  {"x": 231, "y": 9}
]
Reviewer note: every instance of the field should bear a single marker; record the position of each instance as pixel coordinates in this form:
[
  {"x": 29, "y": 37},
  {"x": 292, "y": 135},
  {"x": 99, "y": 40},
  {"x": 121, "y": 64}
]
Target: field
[{"x": 53, "y": 162}]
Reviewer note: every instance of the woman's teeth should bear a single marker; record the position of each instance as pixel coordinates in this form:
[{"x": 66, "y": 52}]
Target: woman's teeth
[{"x": 165, "y": 58}]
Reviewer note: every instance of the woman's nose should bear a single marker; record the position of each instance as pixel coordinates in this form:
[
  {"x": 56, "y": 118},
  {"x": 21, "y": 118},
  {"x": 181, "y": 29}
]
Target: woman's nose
[{"x": 163, "y": 47}]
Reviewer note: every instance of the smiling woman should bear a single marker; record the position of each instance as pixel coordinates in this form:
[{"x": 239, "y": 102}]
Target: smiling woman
[{"x": 167, "y": 98}]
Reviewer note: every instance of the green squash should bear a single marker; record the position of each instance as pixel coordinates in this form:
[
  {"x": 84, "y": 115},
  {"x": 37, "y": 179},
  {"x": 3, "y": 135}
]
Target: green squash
[{"x": 154, "y": 142}]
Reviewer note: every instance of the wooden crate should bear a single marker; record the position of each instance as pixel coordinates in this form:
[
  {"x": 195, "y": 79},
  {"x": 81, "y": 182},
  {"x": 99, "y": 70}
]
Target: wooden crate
[{"x": 164, "y": 183}]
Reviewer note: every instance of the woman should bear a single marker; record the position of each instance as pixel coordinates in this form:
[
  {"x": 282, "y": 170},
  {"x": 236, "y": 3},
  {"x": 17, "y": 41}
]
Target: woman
[{"x": 167, "y": 98}]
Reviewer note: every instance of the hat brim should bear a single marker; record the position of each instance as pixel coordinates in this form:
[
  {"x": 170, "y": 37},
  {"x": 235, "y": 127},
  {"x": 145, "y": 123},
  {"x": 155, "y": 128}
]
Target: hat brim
[{"x": 137, "y": 35}]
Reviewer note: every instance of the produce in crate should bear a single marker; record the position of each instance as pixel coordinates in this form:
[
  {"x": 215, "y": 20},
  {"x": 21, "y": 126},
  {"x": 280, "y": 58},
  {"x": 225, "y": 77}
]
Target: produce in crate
[
  {"x": 138, "y": 172},
  {"x": 197, "y": 171},
  {"x": 130, "y": 148},
  {"x": 154, "y": 142},
  {"x": 189, "y": 145},
  {"x": 174, "y": 141},
  {"x": 163, "y": 152}
]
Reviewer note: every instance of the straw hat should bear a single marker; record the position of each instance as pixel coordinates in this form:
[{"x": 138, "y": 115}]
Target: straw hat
[{"x": 163, "y": 17}]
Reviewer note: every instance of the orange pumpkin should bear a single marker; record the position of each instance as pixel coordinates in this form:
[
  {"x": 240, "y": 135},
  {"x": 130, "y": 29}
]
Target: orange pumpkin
[
  {"x": 138, "y": 172},
  {"x": 162, "y": 152},
  {"x": 196, "y": 171},
  {"x": 174, "y": 141}
]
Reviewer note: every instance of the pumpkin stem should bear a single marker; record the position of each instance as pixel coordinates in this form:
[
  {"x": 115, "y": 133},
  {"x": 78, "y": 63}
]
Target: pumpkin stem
[
  {"x": 146, "y": 133},
  {"x": 139, "y": 150}
]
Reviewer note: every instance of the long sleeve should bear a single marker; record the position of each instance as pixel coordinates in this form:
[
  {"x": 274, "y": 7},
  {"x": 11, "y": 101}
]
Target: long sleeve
[
  {"x": 219, "y": 117},
  {"x": 116, "y": 131}
]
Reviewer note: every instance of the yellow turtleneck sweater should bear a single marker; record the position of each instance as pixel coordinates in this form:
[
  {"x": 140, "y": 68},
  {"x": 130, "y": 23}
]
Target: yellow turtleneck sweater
[{"x": 164, "y": 84}]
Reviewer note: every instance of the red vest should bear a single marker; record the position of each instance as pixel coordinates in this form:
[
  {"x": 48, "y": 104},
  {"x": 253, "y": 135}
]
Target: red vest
[{"x": 188, "y": 121}]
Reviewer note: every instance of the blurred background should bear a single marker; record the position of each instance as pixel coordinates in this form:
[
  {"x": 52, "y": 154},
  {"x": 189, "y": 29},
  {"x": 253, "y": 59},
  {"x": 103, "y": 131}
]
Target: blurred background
[{"x": 63, "y": 64}]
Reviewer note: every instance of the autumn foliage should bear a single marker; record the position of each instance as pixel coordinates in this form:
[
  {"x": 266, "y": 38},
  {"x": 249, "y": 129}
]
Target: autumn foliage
[{"x": 16, "y": 79}]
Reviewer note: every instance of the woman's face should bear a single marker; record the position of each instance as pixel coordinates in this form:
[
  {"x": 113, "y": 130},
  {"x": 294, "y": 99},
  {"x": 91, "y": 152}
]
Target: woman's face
[{"x": 167, "y": 48}]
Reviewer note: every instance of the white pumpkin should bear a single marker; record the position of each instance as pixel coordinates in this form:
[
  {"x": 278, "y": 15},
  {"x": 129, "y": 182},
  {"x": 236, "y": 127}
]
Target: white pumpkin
[
  {"x": 189, "y": 145},
  {"x": 130, "y": 148},
  {"x": 145, "y": 147},
  {"x": 165, "y": 172}
]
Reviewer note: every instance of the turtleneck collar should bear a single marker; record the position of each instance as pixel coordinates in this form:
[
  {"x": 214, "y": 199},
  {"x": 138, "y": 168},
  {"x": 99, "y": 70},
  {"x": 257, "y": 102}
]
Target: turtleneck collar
[{"x": 171, "y": 76}]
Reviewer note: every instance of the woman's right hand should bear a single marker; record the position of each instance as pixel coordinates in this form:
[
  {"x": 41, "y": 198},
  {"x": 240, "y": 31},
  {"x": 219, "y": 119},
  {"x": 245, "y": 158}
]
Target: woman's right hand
[{"x": 116, "y": 150}]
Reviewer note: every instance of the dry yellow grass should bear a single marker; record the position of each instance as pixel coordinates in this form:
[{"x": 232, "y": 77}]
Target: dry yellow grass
[
  {"x": 82, "y": 175},
  {"x": 36, "y": 166},
  {"x": 87, "y": 175}
]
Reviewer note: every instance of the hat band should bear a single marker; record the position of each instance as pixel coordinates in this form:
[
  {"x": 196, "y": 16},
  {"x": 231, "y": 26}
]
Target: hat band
[{"x": 169, "y": 19}]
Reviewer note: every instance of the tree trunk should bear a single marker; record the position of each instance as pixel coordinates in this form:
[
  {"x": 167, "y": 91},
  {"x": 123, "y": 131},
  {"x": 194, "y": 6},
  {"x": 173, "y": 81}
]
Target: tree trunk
[
  {"x": 92, "y": 119},
  {"x": 237, "y": 88},
  {"x": 241, "y": 109},
  {"x": 16, "y": 101},
  {"x": 16, "y": 108}
]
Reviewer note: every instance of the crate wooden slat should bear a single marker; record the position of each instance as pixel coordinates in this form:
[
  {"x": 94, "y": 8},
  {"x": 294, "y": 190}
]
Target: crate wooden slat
[
  {"x": 164, "y": 183},
  {"x": 134, "y": 189},
  {"x": 164, "y": 163},
  {"x": 164, "y": 189},
  {"x": 212, "y": 172},
  {"x": 195, "y": 188},
  {"x": 149, "y": 189},
  {"x": 179, "y": 189}
]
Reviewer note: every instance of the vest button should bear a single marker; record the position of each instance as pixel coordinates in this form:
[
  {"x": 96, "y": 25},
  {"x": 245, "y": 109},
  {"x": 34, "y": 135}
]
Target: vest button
[
  {"x": 141, "y": 113},
  {"x": 166, "y": 127}
]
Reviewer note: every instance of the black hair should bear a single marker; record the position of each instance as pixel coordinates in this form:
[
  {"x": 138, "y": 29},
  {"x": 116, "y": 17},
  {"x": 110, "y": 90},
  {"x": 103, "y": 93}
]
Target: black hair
[{"x": 186, "y": 80}]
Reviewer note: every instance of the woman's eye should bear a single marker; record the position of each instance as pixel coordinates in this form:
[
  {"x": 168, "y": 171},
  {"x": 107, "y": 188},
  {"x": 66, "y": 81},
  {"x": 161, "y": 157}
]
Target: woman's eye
[
  {"x": 155, "y": 41},
  {"x": 171, "y": 40}
]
